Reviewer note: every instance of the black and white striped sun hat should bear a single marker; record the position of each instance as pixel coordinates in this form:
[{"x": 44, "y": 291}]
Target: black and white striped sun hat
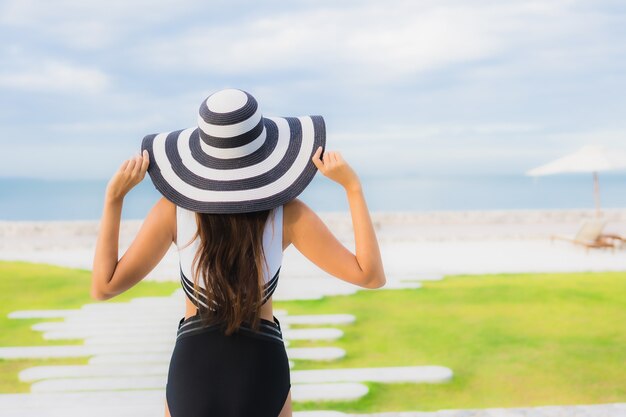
[{"x": 235, "y": 160}]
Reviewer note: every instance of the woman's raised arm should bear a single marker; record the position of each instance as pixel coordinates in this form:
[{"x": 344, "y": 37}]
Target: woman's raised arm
[
  {"x": 314, "y": 240},
  {"x": 111, "y": 276}
]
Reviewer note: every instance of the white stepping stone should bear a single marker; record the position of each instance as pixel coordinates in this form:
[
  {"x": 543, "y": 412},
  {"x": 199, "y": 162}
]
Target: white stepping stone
[
  {"x": 66, "y": 330},
  {"x": 138, "y": 403},
  {"x": 115, "y": 322},
  {"x": 126, "y": 316},
  {"x": 73, "y": 351},
  {"x": 312, "y": 353},
  {"x": 88, "y": 317},
  {"x": 327, "y": 392},
  {"x": 93, "y": 319},
  {"x": 151, "y": 336},
  {"x": 166, "y": 335},
  {"x": 127, "y": 310},
  {"x": 158, "y": 338},
  {"x": 316, "y": 353},
  {"x": 319, "y": 319},
  {"x": 30, "y": 352},
  {"x": 299, "y": 392},
  {"x": 36, "y": 373},
  {"x": 135, "y": 403},
  {"x": 312, "y": 334},
  {"x": 122, "y": 339},
  {"x": 91, "y": 327},
  {"x": 416, "y": 374},
  {"x": 88, "y": 399},
  {"x": 169, "y": 324},
  {"x": 53, "y": 405},
  {"x": 99, "y": 384},
  {"x": 131, "y": 358},
  {"x": 141, "y": 357},
  {"x": 160, "y": 335},
  {"x": 110, "y": 320},
  {"x": 41, "y": 314}
]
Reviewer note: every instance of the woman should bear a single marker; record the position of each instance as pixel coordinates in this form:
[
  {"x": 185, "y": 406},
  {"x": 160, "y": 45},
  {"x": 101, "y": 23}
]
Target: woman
[{"x": 229, "y": 204}]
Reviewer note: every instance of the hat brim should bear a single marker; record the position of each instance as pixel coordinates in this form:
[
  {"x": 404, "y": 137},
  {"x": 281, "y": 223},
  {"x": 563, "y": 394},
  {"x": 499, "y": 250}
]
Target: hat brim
[{"x": 201, "y": 178}]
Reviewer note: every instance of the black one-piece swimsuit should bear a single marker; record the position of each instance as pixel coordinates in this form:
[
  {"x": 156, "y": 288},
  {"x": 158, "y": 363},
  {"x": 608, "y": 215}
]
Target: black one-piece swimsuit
[{"x": 241, "y": 375}]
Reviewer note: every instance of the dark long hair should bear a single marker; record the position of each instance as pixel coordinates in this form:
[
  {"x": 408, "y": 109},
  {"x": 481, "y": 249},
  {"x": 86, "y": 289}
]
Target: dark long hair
[{"x": 230, "y": 261}]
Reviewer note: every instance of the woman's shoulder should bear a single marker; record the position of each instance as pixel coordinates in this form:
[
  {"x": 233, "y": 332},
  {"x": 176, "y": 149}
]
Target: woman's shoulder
[
  {"x": 164, "y": 213},
  {"x": 296, "y": 211},
  {"x": 293, "y": 209}
]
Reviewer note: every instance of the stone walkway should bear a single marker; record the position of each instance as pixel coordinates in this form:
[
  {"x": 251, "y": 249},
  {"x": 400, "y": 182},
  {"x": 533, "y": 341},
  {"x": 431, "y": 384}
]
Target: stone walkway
[{"x": 128, "y": 365}]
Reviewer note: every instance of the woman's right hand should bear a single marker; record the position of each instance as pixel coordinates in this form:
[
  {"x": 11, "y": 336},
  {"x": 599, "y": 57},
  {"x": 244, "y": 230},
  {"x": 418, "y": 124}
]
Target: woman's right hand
[
  {"x": 333, "y": 166},
  {"x": 130, "y": 174}
]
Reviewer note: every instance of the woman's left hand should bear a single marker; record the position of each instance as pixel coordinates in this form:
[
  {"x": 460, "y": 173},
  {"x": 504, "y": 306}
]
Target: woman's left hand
[{"x": 131, "y": 173}]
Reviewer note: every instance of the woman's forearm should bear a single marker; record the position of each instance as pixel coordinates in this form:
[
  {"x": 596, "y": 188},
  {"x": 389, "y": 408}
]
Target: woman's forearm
[
  {"x": 366, "y": 244},
  {"x": 106, "y": 254}
]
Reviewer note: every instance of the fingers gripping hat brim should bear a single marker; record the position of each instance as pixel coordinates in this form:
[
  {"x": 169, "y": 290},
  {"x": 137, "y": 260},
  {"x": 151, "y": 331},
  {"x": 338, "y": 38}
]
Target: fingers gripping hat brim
[{"x": 274, "y": 169}]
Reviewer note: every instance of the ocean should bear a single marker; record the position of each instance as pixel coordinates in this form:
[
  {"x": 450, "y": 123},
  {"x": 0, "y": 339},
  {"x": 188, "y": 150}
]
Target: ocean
[{"x": 38, "y": 199}]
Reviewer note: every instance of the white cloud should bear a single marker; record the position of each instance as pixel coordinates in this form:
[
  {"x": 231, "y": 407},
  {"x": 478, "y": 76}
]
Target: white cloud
[
  {"x": 369, "y": 41},
  {"x": 418, "y": 132},
  {"x": 55, "y": 76},
  {"x": 373, "y": 40},
  {"x": 365, "y": 41},
  {"x": 93, "y": 24},
  {"x": 105, "y": 126}
]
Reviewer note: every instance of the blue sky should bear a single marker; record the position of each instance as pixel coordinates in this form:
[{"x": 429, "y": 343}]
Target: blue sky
[{"x": 406, "y": 87}]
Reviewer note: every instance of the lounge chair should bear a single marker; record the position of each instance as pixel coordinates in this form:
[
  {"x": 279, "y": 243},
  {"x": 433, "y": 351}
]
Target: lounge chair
[
  {"x": 616, "y": 240},
  {"x": 590, "y": 235}
]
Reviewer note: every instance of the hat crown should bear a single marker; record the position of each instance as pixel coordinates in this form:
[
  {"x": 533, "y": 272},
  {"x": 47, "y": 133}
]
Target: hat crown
[
  {"x": 231, "y": 118},
  {"x": 228, "y": 100},
  {"x": 235, "y": 160}
]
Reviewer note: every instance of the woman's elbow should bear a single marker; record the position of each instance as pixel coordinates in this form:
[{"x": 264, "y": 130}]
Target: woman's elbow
[
  {"x": 97, "y": 293},
  {"x": 375, "y": 281}
]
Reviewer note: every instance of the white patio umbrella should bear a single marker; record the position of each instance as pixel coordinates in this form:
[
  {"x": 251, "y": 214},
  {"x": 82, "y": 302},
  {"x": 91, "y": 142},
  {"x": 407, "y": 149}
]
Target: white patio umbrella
[{"x": 590, "y": 158}]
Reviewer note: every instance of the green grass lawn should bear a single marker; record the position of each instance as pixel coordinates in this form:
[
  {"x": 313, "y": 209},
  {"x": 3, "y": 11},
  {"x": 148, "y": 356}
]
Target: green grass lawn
[{"x": 512, "y": 340}]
